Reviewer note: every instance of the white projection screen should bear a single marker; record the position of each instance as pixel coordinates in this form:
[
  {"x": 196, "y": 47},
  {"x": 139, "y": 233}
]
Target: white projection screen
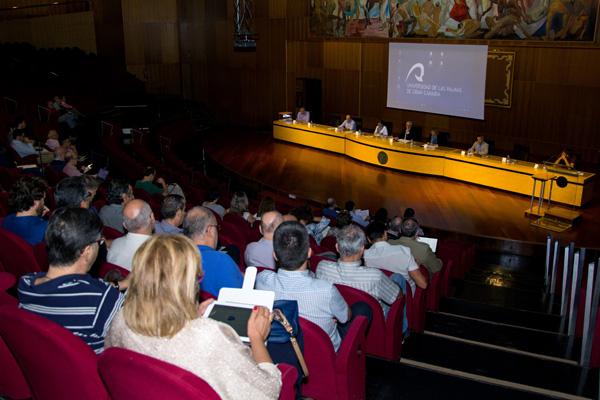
[{"x": 437, "y": 78}]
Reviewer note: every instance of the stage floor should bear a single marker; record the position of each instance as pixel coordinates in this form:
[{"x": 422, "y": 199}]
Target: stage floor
[{"x": 439, "y": 202}]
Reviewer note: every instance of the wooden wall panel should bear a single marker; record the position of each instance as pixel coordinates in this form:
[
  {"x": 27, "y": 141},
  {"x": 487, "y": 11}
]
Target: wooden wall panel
[{"x": 64, "y": 30}]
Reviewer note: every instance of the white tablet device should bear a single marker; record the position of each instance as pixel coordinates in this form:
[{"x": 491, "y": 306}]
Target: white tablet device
[{"x": 432, "y": 242}]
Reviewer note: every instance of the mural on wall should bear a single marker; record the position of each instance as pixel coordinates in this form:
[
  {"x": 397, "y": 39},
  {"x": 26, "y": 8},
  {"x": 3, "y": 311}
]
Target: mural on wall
[{"x": 462, "y": 19}]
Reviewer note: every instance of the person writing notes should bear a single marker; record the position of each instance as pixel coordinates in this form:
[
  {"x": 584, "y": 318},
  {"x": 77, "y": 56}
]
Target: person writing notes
[{"x": 479, "y": 147}]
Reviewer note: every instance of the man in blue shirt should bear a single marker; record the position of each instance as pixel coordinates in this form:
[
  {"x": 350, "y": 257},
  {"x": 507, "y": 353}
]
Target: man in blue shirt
[
  {"x": 27, "y": 201},
  {"x": 348, "y": 124},
  {"x": 220, "y": 270},
  {"x": 67, "y": 294}
]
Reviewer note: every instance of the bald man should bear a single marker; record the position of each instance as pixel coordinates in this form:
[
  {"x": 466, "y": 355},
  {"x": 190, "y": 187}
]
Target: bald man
[
  {"x": 260, "y": 254},
  {"x": 220, "y": 270},
  {"x": 138, "y": 219}
]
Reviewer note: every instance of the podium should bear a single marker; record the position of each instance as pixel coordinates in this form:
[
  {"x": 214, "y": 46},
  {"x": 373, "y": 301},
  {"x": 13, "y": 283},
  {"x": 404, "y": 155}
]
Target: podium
[{"x": 543, "y": 178}]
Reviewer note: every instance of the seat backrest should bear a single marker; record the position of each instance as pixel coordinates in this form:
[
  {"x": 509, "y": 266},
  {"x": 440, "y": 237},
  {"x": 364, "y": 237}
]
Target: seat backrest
[
  {"x": 320, "y": 359},
  {"x": 111, "y": 233},
  {"x": 350, "y": 365},
  {"x": 375, "y": 344},
  {"x": 7, "y": 280},
  {"x": 16, "y": 255},
  {"x": 12, "y": 382},
  {"x": 289, "y": 376},
  {"x": 415, "y": 308},
  {"x": 131, "y": 375},
  {"x": 394, "y": 335},
  {"x": 55, "y": 363},
  {"x": 106, "y": 267}
]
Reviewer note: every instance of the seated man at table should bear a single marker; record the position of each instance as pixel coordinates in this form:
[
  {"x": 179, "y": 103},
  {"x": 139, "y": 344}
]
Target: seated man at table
[
  {"x": 433, "y": 136},
  {"x": 380, "y": 129},
  {"x": 348, "y": 124},
  {"x": 303, "y": 115},
  {"x": 480, "y": 147},
  {"x": 410, "y": 132}
]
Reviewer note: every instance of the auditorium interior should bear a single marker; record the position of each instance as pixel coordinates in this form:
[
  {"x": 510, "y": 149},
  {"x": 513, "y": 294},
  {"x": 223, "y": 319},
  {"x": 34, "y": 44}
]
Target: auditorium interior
[{"x": 205, "y": 98}]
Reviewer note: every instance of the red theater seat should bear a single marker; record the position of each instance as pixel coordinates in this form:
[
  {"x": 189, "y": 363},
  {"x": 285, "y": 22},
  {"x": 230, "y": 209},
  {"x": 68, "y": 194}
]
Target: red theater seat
[
  {"x": 132, "y": 376},
  {"x": 56, "y": 364},
  {"x": 333, "y": 376},
  {"x": 385, "y": 335},
  {"x": 16, "y": 255}
]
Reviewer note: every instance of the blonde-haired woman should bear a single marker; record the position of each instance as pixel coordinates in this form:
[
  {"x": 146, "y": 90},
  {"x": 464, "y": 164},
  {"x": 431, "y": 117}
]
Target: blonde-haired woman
[{"x": 161, "y": 318}]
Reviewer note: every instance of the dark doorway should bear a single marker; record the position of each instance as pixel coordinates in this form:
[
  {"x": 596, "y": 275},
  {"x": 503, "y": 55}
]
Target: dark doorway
[{"x": 308, "y": 95}]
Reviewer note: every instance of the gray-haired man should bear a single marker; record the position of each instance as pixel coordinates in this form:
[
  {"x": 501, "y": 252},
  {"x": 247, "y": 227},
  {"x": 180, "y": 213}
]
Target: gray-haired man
[{"x": 349, "y": 271}]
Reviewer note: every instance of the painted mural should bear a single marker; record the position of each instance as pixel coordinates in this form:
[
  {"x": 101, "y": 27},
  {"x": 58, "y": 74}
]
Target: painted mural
[{"x": 572, "y": 20}]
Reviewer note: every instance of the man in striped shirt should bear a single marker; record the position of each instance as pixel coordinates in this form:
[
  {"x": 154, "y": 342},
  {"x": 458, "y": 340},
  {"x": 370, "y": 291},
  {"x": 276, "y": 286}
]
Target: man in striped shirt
[
  {"x": 349, "y": 271},
  {"x": 66, "y": 294}
]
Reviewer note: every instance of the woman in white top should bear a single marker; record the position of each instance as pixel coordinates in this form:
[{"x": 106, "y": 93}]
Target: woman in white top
[{"x": 161, "y": 318}]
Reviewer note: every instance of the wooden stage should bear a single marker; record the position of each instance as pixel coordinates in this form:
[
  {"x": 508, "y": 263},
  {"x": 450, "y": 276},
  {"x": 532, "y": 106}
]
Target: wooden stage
[{"x": 439, "y": 202}]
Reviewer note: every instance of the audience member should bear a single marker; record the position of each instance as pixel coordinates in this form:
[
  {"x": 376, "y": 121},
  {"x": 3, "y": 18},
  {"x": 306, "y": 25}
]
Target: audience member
[
  {"x": 360, "y": 217},
  {"x": 70, "y": 168},
  {"x": 26, "y": 200},
  {"x": 343, "y": 219},
  {"x": 67, "y": 294},
  {"x": 394, "y": 230},
  {"x": 72, "y": 192},
  {"x": 220, "y": 270},
  {"x": 349, "y": 271},
  {"x": 260, "y": 254},
  {"x": 119, "y": 194},
  {"x": 420, "y": 251},
  {"x": 138, "y": 219},
  {"x": 266, "y": 204},
  {"x": 317, "y": 227},
  {"x": 381, "y": 215},
  {"x": 410, "y": 213},
  {"x": 396, "y": 258},
  {"x": 331, "y": 209},
  {"x": 173, "y": 213},
  {"x": 22, "y": 144},
  {"x": 52, "y": 143},
  {"x": 239, "y": 206},
  {"x": 147, "y": 183},
  {"x": 318, "y": 301},
  {"x": 212, "y": 202},
  {"x": 161, "y": 318}
]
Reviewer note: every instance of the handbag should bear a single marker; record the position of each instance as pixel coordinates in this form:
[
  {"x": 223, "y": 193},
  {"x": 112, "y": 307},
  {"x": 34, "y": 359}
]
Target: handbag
[{"x": 286, "y": 328}]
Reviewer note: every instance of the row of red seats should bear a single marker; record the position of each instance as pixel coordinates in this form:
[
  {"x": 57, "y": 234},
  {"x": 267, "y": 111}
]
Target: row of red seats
[{"x": 38, "y": 354}]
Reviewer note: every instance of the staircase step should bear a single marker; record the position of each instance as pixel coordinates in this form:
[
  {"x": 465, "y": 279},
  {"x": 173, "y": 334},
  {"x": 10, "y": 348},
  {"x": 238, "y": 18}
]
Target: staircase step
[
  {"x": 498, "y": 364},
  {"x": 387, "y": 380},
  {"x": 500, "y": 296},
  {"x": 512, "y": 337},
  {"x": 504, "y": 315}
]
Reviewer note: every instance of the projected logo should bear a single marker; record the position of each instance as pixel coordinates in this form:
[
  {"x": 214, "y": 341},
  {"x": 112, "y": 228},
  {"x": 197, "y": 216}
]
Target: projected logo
[{"x": 418, "y": 70}]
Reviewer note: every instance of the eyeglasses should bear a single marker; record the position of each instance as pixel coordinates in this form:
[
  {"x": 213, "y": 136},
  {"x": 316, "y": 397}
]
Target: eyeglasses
[{"x": 100, "y": 242}]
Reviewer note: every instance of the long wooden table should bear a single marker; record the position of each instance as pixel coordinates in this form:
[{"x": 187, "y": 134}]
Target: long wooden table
[{"x": 448, "y": 162}]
